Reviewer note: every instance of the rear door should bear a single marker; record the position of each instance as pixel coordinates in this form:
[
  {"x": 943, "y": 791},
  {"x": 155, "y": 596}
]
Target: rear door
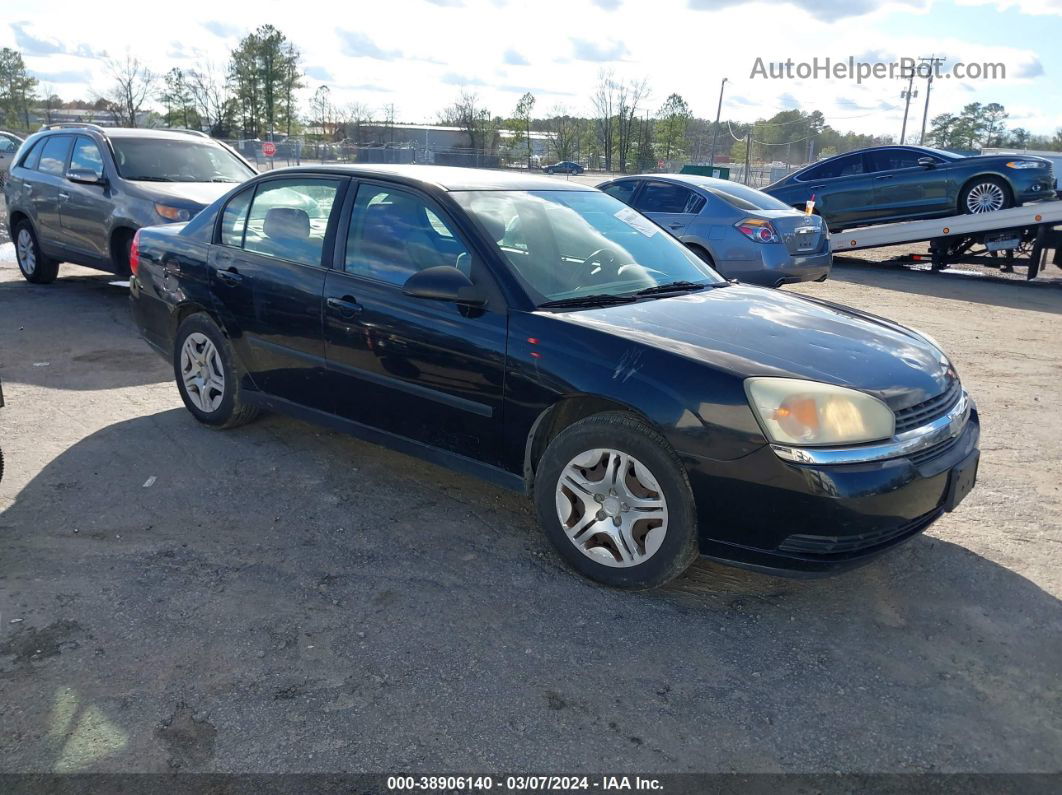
[
  {"x": 430, "y": 371},
  {"x": 84, "y": 210},
  {"x": 267, "y": 273},
  {"x": 904, "y": 189},
  {"x": 46, "y": 186},
  {"x": 672, "y": 206},
  {"x": 843, "y": 190}
]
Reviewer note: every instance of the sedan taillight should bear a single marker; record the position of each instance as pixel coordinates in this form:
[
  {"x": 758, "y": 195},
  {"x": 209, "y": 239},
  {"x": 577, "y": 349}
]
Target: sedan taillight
[
  {"x": 758, "y": 229},
  {"x": 134, "y": 254}
]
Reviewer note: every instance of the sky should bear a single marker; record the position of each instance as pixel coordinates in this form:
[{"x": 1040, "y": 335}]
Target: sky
[{"x": 419, "y": 54}]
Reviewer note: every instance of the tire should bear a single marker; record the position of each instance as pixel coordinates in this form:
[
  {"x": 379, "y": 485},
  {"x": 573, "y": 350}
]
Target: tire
[
  {"x": 701, "y": 252},
  {"x": 985, "y": 195},
  {"x": 32, "y": 263},
  {"x": 121, "y": 248},
  {"x": 207, "y": 375},
  {"x": 639, "y": 553}
]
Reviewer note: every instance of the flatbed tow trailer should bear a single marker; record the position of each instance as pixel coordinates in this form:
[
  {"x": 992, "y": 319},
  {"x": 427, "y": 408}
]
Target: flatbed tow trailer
[{"x": 1004, "y": 238}]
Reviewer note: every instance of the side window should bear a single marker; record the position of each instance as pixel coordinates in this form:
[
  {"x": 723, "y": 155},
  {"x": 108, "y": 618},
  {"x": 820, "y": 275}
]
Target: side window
[
  {"x": 289, "y": 217},
  {"x": 851, "y": 165},
  {"x": 54, "y": 154},
  {"x": 624, "y": 191},
  {"x": 87, "y": 156},
  {"x": 7, "y": 146},
  {"x": 33, "y": 157},
  {"x": 893, "y": 159},
  {"x": 394, "y": 234},
  {"x": 234, "y": 219},
  {"x": 663, "y": 197}
]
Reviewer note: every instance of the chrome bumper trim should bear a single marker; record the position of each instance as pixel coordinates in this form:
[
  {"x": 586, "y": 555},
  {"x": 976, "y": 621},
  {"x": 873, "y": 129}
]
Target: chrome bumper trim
[{"x": 947, "y": 427}]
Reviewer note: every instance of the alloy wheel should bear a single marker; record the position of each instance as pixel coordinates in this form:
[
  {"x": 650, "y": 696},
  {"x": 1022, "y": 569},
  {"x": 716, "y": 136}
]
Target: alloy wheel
[
  {"x": 611, "y": 507},
  {"x": 27, "y": 254},
  {"x": 986, "y": 197},
  {"x": 202, "y": 372}
]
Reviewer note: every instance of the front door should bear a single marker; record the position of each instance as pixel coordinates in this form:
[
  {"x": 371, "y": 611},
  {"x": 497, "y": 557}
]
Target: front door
[
  {"x": 430, "y": 371},
  {"x": 673, "y": 207},
  {"x": 85, "y": 210},
  {"x": 903, "y": 188},
  {"x": 267, "y": 273}
]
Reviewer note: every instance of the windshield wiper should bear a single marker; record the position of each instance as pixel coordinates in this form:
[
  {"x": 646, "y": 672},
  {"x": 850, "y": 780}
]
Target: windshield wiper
[
  {"x": 597, "y": 299},
  {"x": 671, "y": 287},
  {"x": 144, "y": 178}
]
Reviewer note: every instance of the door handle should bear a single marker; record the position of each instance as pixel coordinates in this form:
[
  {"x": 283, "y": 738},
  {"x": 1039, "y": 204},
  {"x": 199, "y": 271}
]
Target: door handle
[
  {"x": 817, "y": 187},
  {"x": 231, "y": 277},
  {"x": 675, "y": 226},
  {"x": 64, "y": 195},
  {"x": 884, "y": 176},
  {"x": 343, "y": 307}
]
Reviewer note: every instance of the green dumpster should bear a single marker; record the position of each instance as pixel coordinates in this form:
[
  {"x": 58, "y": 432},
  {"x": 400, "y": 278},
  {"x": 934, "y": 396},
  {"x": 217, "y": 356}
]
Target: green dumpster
[{"x": 719, "y": 172}]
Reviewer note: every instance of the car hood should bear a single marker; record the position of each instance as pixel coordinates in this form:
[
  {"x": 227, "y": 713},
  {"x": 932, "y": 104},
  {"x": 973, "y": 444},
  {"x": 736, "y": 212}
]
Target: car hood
[
  {"x": 197, "y": 193},
  {"x": 754, "y": 331}
]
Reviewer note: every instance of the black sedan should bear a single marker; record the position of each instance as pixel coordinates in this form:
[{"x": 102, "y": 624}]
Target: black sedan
[
  {"x": 902, "y": 183},
  {"x": 563, "y": 167},
  {"x": 545, "y": 336}
]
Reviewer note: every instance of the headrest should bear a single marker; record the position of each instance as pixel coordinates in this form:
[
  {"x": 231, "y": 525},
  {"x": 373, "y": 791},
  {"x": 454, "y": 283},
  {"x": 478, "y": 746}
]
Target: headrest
[{"x": 287, "y": 222}]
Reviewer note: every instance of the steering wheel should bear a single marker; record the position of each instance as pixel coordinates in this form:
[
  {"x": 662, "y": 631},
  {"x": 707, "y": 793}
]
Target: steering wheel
[{"x": 602, "y": 257}]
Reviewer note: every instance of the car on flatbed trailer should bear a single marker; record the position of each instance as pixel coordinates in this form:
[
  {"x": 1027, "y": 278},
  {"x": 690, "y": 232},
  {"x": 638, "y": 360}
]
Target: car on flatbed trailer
[{"x": 900, "y": 183}]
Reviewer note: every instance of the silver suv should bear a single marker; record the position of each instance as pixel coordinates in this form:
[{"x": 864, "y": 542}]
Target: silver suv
[{"x": 78, "y": 192}]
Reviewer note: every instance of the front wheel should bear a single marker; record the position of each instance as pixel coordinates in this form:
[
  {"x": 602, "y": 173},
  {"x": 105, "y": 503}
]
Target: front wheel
[
  {"x": 207, "y": 376},
  {"x": 985, "y": 195},
  {"x": 615, "y": 502},
  {"x": 34, "y": 265}
]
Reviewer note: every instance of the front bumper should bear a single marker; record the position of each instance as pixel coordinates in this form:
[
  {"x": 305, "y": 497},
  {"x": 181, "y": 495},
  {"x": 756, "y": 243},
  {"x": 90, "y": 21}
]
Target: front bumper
[
  {"x": 804, "y": 519},
  {"x": 1034, "y": 185}
]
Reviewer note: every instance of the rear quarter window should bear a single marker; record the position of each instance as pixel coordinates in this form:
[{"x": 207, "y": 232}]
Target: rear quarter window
[{"x": 33, "y": 157}]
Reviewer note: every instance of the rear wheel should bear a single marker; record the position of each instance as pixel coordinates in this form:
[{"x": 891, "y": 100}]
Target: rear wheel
[
  {"x": 207, "y": 376},
  {"x": 615, "y": 502},
  {"x": 32, "y": 262},
  {"x": 985, "y": 195}
]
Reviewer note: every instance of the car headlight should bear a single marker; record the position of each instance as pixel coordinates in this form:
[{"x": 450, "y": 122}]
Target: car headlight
[
  {"x": 172, "y": 213},
  {"x": 1025, "y": 164},
  {"x": 797, "y": 412}
]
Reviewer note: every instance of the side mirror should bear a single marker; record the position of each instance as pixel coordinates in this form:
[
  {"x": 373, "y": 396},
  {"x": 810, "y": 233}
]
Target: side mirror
[
  {"x": 84, "y": 176},
  {"x": 927, "y": 162},
  {"x": 444, "y": 283}
]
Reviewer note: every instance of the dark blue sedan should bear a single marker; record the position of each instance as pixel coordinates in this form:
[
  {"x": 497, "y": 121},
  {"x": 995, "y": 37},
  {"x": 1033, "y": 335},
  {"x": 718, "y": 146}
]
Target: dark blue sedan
[
  {"x": 563, "y": 167},
  {"x": 547, "y": 337},
  {"x": 902, "y": 183}
]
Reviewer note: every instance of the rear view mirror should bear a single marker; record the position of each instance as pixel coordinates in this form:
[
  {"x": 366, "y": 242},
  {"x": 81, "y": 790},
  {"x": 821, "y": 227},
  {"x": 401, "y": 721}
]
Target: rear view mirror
[
  {"x": 444, "y": 283},
  {"x": 927, "y": 162},
  {"x": 84, "y": 176}
]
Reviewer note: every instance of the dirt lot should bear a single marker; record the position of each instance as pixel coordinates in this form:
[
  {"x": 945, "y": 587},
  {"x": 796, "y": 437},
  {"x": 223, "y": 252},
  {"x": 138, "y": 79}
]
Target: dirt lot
[{"x": 281, "y": 598}]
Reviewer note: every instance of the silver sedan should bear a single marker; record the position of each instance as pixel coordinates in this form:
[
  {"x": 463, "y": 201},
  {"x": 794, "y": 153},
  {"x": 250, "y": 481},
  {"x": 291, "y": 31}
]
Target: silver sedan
[{"x": 741, "y": 232}]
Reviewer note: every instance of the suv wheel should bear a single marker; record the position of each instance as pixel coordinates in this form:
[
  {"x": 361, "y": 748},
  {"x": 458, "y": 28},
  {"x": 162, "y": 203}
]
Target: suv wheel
[
  {"x": 615, "y": 502},
  {"x": 207, "y": 376},
  {"x": 35, "y": 267}
]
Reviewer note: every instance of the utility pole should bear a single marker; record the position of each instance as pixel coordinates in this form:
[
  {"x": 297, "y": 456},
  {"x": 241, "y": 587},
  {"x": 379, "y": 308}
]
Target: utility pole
[
  {"x": 748, "y": 156},
  {"x": 934, "y": 62},
  {"x": 718, "y": 112},
  {"x": 907, "y": 94}
]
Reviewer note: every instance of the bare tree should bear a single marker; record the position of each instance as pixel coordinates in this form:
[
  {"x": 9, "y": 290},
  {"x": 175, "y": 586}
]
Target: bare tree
[
  {"x": 210, "y": 96},
  {"x": 604, "y": 102},
  {"x": 133, "y": 83},
  {"x": 475, "y": 120},
  {"x": 355, "y": 116},
  {"x": 562, "y": 129},
  {"x": 629, "y": 97}
]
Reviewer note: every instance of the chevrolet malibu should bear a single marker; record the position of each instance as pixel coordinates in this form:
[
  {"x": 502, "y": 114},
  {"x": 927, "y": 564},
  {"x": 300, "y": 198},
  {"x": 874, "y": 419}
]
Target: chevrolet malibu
[{"x": 548, "y": 338}]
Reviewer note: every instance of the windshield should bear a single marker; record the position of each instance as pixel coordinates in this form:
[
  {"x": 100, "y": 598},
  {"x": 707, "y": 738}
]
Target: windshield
[
  {"x": 570, "y": 244},
  {"x": 745, "y": 198},
  {"x": 164, "y": 160}
]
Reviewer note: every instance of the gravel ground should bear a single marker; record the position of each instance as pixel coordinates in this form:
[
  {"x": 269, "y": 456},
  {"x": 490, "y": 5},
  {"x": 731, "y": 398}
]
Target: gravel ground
[{"x": 282, "y": 598}]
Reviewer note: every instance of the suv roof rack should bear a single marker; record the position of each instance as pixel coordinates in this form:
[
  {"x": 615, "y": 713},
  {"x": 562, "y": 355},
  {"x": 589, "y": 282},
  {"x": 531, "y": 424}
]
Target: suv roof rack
[{"x": 74, "y": 125}]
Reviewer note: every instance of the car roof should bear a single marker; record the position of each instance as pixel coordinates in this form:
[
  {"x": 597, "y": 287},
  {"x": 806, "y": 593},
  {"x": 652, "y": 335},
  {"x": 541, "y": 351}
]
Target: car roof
[
  {"x": 448, "y": 178},
  {"x": 125, "y": 132},
  {"x": 695, "y": 180}
]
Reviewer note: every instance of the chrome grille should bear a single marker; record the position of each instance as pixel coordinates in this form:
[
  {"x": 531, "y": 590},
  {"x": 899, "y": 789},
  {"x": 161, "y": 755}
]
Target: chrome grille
[{"x": 928, "y": 410}]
